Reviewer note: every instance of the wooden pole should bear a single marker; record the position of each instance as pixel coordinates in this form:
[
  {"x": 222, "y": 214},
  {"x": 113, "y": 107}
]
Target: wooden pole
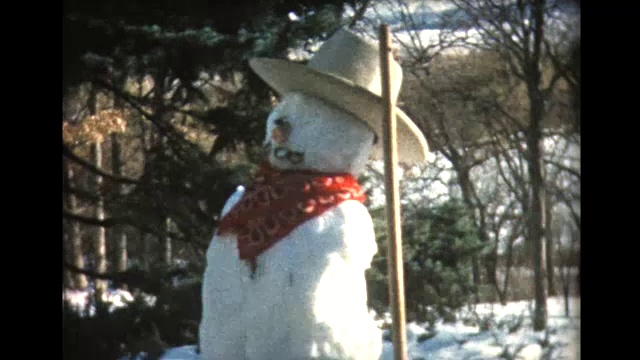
[{"x": 389, "y": 136}]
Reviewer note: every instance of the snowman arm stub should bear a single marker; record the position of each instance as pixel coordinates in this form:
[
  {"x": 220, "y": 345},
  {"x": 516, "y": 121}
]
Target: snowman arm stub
[
  {"x": 359, "y": 237},
  {"x": 232, "y": 200}
]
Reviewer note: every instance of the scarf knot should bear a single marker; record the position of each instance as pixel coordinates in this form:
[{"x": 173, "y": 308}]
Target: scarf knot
[{"x": 280, "y": 200}]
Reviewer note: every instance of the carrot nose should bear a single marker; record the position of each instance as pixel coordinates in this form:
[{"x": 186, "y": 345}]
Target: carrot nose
[{"x": 277, "y": 135}]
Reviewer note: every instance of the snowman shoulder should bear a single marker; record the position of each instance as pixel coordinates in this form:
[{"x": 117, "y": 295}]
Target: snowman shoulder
[
  {"x": 358, "y": 233},
  {"x": 355, "y": 214},
  {"x": 232, "y": 200}
]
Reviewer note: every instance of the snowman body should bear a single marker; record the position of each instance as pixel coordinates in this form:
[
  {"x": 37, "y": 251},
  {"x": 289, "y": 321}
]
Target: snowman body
[{"x": 307, "y": 298}]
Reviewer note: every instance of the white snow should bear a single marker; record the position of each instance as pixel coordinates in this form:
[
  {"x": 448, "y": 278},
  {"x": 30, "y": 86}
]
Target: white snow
[
  {"x": 459, "y": 341},
  {"x": 452, "y": 341},
  {"x": 81, "y": 301}
]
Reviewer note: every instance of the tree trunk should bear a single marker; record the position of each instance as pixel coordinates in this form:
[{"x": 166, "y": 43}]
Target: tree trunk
[
  {"x": 167, "y": 251},
  {"x": 537, "y": 212},
  {"x": 475, "y": 271},
  {"x": 533, "y": 76},
  {"x": 491, "y": 268},
  {"x": 565, "y": 289},
  {"x": 147, "y": 262},
  {"x": 67, "y": 276},
  {"x": 148, "y": 139},
  {"x": 507, "y": 267},
  {"x": 551, "y": 286},
  {"x": 100, "y": 244},
  {"x": 73, "y": 229},
  {"x": 575, "y": 238},
  {"x": 467, "y": 190},
  {"x": 120, "y": 235}
]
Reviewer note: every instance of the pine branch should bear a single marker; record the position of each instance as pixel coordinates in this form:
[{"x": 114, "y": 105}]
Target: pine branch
[
  {"x": 134, "y": 278},
  {"x": 84, "y": 194}
]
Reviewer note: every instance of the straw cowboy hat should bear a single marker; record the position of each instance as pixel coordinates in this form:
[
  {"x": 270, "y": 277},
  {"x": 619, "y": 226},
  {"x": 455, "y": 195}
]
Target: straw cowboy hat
[{"x": 345, "y": 72}]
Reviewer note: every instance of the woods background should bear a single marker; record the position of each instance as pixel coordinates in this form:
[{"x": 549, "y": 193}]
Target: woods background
[{"x": 162, "y": 119}]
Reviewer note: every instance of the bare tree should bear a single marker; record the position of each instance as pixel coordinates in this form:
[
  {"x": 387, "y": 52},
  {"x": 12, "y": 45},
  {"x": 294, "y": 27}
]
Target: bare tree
[
  {"x": 516, "y": 31},
  {"x": 489, "y": 121},
  {"x": 562, "y": 165},
  {"x": 117, "y": 163},
  {"x": 148, "y": 139},
  {"x": 74, "y": 240},
  {"x": 551, "y": 288},
  {"x": 566, "y": 257},
  {"x": 454, "y": 104},
  {"x": 119, "y": 232},
  {"x": 438, "y": 98},
  {"x": 100, "y": 241},
  {"x": 562, "y": 193}
]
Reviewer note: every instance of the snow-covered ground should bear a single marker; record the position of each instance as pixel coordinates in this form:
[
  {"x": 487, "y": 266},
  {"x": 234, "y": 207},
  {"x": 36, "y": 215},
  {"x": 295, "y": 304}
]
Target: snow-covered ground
[
  {"x": 463, "y": 340},
  {"x": 458, "y": 341},
  {"x": 116, "y": 298}
]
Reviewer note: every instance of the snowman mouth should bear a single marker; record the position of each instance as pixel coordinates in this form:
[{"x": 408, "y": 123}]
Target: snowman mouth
[{"x": 284, "y": 153}]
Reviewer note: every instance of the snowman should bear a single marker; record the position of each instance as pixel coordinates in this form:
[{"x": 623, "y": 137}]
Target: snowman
[{"x": 285, "y": 275}]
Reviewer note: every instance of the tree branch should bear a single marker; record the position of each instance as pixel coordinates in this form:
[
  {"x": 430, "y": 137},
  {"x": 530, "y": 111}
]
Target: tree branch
[
  {"x": 92, "y": 168},
  {"x": 359, "y": 14},
  {"x": 134, "y": 278},
  {"x": 563, "y": 168},
  {"x": 108, "y": 222}
]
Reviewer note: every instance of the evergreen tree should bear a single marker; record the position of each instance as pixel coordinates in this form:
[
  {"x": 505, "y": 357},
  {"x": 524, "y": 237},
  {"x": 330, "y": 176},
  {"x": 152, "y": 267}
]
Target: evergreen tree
[
  {"x": 438, "y": 243},
  {"x": 177, "y": 73}
]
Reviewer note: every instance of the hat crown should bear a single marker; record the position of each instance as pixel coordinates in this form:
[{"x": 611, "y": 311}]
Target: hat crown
[{"x": 355, "y": 59}]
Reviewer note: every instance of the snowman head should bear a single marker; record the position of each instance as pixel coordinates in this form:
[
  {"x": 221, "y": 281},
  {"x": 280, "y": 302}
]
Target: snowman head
[
  {"x": 332, "y": 107},
  {"x": 304, "y": 132}
]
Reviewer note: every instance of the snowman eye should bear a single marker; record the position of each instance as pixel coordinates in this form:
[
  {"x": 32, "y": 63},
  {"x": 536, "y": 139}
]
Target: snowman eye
[
  {"x": 375, "y": 138},
  {"x": 282, "y": 130}
]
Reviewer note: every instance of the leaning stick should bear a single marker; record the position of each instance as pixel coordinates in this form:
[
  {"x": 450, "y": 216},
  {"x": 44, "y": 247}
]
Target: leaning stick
[{"x": 389, "y": 135}]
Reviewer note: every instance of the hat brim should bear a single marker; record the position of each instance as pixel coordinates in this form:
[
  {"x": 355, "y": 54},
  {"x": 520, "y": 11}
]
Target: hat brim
[{"x": 286, "y": 77}]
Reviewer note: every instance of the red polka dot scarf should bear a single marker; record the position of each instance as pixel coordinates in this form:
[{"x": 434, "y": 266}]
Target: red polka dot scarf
[{"x": 280, "y": 200}]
